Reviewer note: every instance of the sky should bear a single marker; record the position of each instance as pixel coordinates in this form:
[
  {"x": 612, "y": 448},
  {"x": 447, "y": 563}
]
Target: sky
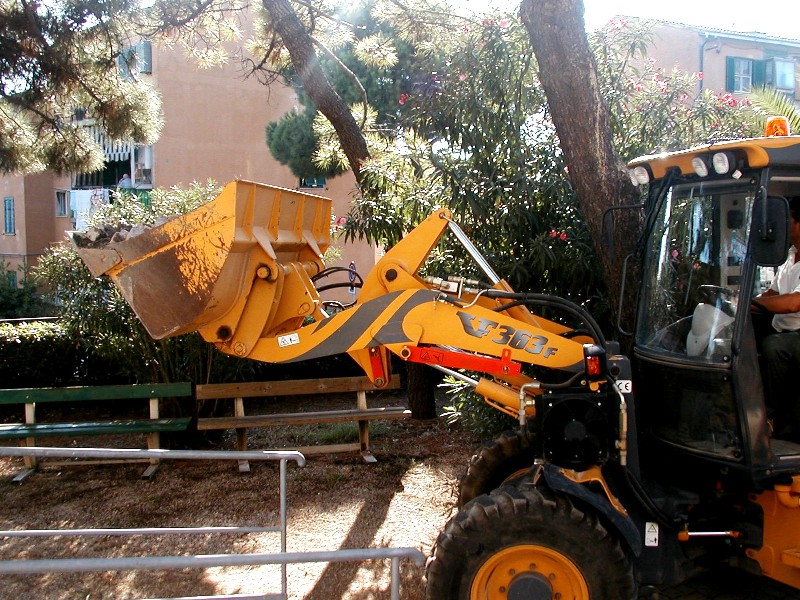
[{"x": 777, "y": 18}]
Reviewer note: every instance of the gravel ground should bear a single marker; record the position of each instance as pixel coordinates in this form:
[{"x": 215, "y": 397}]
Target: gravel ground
[{"x": 335, "y": 501}]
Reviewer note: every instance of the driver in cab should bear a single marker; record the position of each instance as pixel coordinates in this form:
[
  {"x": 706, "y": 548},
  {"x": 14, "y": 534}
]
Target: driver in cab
[{"x": 780, "y": 350}]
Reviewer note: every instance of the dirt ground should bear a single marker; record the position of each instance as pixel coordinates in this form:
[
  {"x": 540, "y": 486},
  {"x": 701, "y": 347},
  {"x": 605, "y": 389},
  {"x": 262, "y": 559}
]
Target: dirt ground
[{"x": 335, "y": 501}]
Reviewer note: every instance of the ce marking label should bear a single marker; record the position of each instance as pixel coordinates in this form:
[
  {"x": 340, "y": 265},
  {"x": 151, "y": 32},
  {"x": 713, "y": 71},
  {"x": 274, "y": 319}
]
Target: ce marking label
[{"x": 625, "y": 386}]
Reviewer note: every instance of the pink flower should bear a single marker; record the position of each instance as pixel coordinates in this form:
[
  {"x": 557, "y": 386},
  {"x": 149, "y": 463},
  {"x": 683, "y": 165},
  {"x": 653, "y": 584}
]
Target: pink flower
[
  {"x": 563, "y": 236},
  {"x": 403, "y": 98},
  {"x": 462, "y": 76},
  {"x": 504, "y": 23},
  {"x": 553, "y": 233},
  {"x": 699, "y": 75}
]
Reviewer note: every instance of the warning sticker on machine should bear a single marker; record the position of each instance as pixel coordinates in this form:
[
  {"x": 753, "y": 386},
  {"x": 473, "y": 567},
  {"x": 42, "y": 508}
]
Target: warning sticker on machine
[
  {"x": 288, "y": 340},
  {"x": 650, "y": 534}
]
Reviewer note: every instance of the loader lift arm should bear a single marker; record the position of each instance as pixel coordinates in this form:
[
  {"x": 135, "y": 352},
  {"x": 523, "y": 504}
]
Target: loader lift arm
[{"x": 238, "y": 270}]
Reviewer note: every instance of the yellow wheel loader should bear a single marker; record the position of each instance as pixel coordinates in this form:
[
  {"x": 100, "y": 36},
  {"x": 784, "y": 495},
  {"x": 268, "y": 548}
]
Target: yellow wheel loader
[{"x": 625, "y": 471}]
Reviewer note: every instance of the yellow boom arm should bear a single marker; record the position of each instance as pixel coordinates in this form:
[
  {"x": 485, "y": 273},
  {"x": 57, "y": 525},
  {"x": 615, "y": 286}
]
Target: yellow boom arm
[{"x": 239, "y": 271}]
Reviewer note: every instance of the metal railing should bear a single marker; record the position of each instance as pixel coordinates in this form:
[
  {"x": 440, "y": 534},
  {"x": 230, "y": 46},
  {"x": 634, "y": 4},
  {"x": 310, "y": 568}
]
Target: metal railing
[{"x": 283, "y": 558}]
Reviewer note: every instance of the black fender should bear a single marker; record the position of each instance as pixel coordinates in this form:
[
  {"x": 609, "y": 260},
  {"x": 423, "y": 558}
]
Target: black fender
[{"x": 623, "y": 524}]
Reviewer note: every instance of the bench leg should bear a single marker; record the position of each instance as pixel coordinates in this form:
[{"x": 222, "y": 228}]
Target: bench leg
[
  {"x": 363, "y": 429},
  {"x": 241, "y": 435},
  {"x": 153, "y": 442},
  {"x": 30, "y": 418}
]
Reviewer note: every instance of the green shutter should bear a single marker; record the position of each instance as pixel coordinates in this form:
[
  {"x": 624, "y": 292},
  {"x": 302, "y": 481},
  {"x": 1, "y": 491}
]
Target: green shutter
[
  {"x": 730, "y": 73},
  {"x": 759, "y": 73},
  {"x": 144, "y": 56}
]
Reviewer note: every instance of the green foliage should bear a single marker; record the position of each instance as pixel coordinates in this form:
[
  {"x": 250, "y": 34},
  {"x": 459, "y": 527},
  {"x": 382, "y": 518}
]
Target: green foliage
[
  {"x": 46, "y": 354},
  {"x": 23, "y": 301},
  {"x": 772, "y": 102},
  {"x": 371, "y": 63},
  {"x": 657, "y": 111},
  {"x": 293, "y": 143},
  {"x": 35, "y": 354},
  {"x": 483, "y": 147},
  {"x": 472, "y": 411},
  {"x": 61, "y": 56},
  {"x": 377, "y": 57}
]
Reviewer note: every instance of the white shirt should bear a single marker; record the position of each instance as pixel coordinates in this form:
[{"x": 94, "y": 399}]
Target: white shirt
[{"x": 787, "y": 280}]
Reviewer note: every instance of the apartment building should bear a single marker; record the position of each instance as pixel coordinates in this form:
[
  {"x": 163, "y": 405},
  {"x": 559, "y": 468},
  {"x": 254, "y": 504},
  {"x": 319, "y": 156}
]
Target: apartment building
[
  {"x": 727, "y": 61},
  {"x": 214, "y": 128}
]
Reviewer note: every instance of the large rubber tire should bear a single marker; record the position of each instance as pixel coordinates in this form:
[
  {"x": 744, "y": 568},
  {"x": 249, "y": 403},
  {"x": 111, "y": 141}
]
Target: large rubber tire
[
  {"x": 531, "y": 544},
  {"x": 510, "y": 454}
]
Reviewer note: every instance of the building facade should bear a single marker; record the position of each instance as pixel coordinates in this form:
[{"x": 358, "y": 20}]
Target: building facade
[
  {"x": 726, "y": 61},
  {"x": 214, "y": 128}
]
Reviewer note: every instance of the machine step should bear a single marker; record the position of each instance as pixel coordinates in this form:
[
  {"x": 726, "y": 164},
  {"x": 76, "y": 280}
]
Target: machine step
[{"x": 791, "y": 557}]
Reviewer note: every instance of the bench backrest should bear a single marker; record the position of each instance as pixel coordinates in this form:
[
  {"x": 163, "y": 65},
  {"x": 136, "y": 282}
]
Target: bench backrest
[
  {"x": 300, "y": 387},
  {"x": 95, "y": 392}
]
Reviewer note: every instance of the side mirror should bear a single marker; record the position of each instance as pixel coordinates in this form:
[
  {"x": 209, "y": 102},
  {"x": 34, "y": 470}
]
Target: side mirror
[{"x": 769, "y": 238}]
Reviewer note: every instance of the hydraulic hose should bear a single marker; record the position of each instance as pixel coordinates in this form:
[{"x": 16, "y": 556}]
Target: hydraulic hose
[{"x": 550, "y": 301}]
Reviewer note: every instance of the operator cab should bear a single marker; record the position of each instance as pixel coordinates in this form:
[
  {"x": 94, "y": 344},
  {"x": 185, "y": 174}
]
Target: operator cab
[{"x": 716, "y": 231}]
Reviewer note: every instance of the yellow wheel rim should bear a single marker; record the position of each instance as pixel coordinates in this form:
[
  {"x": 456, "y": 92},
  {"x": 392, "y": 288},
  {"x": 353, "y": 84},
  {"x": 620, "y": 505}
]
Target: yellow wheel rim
[{"x": 498, "y": 574}]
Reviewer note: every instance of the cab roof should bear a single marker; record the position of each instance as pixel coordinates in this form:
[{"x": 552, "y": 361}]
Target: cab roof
[{"x": 754, "y": 152}]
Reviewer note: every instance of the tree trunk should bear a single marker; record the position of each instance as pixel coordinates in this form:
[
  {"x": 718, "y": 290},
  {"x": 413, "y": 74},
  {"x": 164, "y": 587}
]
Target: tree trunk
[
  {"x": 568, "y": 74},
  {"x": 300, "y": 46},
  {"x": 421, "y": 387}
]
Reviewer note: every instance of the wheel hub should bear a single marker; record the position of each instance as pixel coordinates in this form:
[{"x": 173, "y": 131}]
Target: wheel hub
[
  {"x": 528, "y": 572},
  {"x": 530, "y": 586}
]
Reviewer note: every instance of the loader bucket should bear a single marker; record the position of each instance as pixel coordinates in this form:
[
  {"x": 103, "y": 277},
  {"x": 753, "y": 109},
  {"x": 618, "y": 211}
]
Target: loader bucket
[{"x": 199, "y": 267}]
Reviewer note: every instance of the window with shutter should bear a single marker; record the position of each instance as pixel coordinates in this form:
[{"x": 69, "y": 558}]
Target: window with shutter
[
  {"x": 62, "y": 203},
  {"x": 312, "y": 182},
  {"x": 136, "y": 60},
  {"x": 8, "y": 216},
  {"x": 743, "y": 74},
  {"x": 144, "y": 56},
  {"x": 780, "y": 74}
]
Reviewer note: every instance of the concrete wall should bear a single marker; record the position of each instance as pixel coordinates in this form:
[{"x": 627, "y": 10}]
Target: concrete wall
[{"x": 13, "y": 250}]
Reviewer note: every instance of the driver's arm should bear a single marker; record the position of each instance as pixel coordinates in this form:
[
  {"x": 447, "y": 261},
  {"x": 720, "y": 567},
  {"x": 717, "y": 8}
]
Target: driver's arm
[{"x": 776, "y": 303}]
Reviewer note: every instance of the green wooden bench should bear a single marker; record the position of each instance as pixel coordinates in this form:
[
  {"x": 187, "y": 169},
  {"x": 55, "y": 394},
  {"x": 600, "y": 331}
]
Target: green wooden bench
[
  {"x": 361, "y": 414},
  {"x": 151, "y": 426}
]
